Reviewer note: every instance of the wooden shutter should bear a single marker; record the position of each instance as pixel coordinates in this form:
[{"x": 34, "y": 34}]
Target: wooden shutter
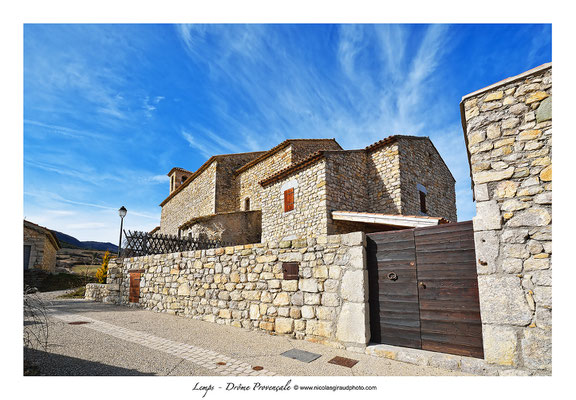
[
  {"x": 290, "y": 270},
  {"x": 289, "y": 200}
]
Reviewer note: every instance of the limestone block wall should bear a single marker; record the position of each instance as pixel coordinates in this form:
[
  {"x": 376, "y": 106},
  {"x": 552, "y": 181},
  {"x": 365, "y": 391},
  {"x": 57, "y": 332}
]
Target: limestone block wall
[
  {"x": 309, "y": 218},
  {"x": 508, "y": 130},
  {"x": 421, "y": 164},
  {"x": 196, "y": 199},
  {"x": 248, "y": 179},
  {"x": 244, "y": 286},
  {"x": 346, "y": 189},
  {"x": 383, "y": 180},
  {"x": 227, "y": 184}
]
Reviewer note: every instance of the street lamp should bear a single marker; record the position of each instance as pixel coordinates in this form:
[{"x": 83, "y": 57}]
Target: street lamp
[{"x": 122, "y": 213}]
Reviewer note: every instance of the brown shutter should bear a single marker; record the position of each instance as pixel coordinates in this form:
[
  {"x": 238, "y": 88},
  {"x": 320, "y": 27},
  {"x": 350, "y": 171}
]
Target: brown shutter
[
  {"x": 289, "y": 200},
  {"x": 290, "y": 270}
]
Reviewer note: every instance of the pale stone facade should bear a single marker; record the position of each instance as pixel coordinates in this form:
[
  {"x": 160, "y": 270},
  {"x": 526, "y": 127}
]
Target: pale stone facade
[
  {"x": 508, "y": 130},
  {"x": 383, "y": 178},
  {"x": 386, "y": 177},
  {"x": 41, "y": 246}
]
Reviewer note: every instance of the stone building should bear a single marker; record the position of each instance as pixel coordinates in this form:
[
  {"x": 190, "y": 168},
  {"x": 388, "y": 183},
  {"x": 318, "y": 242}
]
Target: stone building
[
  {"x": 309, "y": 187},
  {"x": 508, "y": 131},
  {"x": 40, "y": 247}
]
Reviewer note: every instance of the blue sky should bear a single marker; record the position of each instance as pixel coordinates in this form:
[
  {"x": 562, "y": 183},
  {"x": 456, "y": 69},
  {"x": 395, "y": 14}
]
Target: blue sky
[{"x": 110, "y": 109}]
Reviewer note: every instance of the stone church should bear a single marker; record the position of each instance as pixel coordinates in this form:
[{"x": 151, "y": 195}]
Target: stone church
[{"x": 309, "y": 187}]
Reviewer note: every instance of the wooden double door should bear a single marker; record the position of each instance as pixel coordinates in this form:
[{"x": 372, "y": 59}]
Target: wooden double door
[{"x": 424, "y": 289}]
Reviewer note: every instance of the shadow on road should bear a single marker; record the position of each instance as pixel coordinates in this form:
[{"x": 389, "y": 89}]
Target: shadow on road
[{"x": 58, "y": 365}]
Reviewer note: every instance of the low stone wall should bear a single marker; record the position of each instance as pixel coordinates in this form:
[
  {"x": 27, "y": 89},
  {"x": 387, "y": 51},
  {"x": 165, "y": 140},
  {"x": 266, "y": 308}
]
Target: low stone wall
[
  {"x": 106, "y": 293},
  {"x": 244, "y": 286}
]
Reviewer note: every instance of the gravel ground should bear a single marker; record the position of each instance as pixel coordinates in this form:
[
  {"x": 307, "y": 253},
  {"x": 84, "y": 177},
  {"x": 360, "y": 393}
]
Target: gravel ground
[{"x": 80, "y": 350}]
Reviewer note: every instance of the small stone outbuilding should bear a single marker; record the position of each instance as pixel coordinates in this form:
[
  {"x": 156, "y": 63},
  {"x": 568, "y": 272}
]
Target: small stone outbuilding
[{"x": 40, "y": 247}]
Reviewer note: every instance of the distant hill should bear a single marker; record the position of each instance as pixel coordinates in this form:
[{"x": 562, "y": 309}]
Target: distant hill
[{"x": 71, "y": 242}]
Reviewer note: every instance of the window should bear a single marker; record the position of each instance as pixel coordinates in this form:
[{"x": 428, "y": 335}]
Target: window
[
  {"x": 289, "y": 200},
  {"x": 422, "y": 202},
  {"x": 247, "y": 204},
  {"x": 184, "y": 177}
]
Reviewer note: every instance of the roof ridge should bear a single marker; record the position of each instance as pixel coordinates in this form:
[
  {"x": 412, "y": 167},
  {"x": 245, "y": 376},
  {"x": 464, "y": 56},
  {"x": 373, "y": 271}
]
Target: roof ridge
[
  {"x": 294, "y": 167},
  {"x": 276, "y": 149}
]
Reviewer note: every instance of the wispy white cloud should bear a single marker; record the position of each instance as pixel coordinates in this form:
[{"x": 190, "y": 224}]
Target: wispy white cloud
[{"x": 67, "y": 132}]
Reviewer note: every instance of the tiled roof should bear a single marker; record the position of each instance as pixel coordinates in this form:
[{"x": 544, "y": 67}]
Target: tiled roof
[
  {"x": 198, "y": 172},
  {"x": 275, "y": 150},
  {"x": 178, "y": 169},
  {"x": 154, "y": 230},
  {"x": 391, "y": 139},
  {"x": 314, "y": 157},
  {"x": 194, "y": 220},
  {"x": 53, "y": 239},
  {"x": 311, "y": 159}
]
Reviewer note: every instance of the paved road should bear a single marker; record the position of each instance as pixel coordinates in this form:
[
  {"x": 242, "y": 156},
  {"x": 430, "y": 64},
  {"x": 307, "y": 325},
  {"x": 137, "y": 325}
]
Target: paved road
[{"x": 120, "y": 341}]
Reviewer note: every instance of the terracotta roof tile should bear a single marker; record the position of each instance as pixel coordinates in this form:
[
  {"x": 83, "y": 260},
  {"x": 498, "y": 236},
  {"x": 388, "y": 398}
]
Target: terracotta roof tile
[
  {"x": 53, "y": 239},
  {"x": 275, "y": 150}
]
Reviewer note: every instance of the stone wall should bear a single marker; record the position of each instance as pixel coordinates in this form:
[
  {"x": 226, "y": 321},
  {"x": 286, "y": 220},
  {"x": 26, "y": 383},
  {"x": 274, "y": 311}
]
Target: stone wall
[
  {"x": 248, "y": 179},
  {"x": 103, "y": 292},
  {"x": 240, "y": 227},
  {"x": 42, "y": 251},
  {"x": 309, "y": 218},
  {"x": 383, "y": 180},
  {"x": 196, "y": 199},
  {"x": 228, "y": 197},
  {"x": 508, "y": 129},
  {"x": 346, "y": 188},
  {"x": 243, "y": 286},
  {"x": 421, "y": 164}
]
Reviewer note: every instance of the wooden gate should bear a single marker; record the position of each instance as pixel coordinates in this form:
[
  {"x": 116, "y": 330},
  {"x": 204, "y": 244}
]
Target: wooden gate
[
  {"x": 424, "y": 289},
  {"x": 134, "y": 292}
]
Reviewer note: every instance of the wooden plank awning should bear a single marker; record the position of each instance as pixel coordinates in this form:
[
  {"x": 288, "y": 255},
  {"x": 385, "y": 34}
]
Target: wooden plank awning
[{"x": 388, "y": 219}]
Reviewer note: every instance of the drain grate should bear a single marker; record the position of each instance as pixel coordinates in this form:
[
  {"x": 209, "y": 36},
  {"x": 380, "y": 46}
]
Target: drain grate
[
  {"x": 343, "y": 361},
  {"x": 301, "y": 355},
  {"x": 78, "y": 323}
]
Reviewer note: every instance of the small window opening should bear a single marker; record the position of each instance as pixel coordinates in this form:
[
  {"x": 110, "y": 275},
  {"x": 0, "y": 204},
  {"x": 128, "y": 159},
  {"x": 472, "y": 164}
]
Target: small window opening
[
  {"x": 247, "y": 204},
  {"x": 172, "y": 183},
  {"x": 183, "y": 179},
  {"x": 423, "y": 202},
  {"x": 289, "y": 200}
]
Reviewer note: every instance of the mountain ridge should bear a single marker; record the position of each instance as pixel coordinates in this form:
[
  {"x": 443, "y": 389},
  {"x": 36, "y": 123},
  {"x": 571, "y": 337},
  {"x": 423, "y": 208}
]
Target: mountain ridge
[{"x": 71, "y": 242}]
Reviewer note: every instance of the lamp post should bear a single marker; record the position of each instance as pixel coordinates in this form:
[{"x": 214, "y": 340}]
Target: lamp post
[{"x": 122, "y": 212}]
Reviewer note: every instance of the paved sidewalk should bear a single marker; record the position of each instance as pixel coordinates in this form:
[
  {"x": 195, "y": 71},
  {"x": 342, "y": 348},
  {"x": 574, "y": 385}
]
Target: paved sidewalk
[{"x": 119, "y": 340}]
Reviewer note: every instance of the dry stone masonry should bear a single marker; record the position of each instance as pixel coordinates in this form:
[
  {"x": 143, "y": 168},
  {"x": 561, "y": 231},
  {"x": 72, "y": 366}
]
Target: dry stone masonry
[
  {"x": 244, "y": 286},
  {"x": 508, "y": 129}
]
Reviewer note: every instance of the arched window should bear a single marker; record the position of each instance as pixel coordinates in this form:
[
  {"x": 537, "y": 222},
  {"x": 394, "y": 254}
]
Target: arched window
[{"x": 247, "y": 204}]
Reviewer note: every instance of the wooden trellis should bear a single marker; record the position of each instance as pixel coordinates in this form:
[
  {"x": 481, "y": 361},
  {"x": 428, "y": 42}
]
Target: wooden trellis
[{"x": 138, "y": 244}]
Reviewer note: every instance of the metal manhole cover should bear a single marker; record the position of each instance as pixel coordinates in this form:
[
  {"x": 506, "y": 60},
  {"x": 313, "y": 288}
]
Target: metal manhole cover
[
  {"x": 301, "y": 355},
  {"x": 343, "y": 361},
  {"x": 78, "y": 323}
]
